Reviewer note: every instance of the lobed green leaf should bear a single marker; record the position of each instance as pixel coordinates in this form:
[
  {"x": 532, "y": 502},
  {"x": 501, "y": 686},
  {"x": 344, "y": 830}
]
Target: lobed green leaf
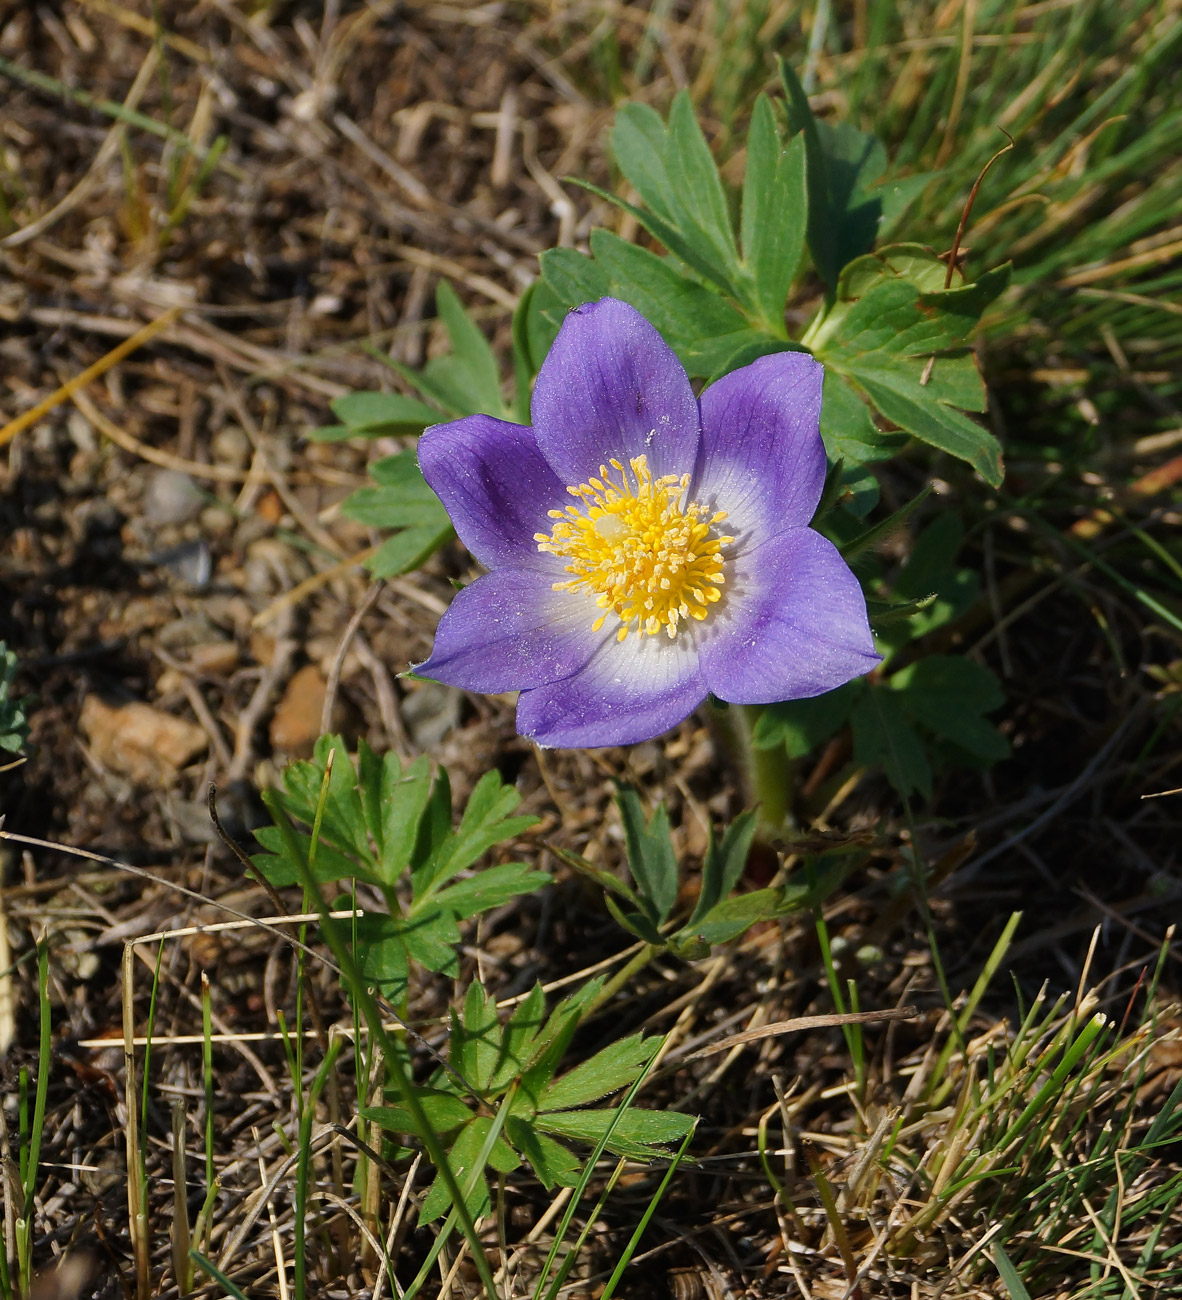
[
  {"x": 633, "y": 1132},
  {"x": 554, "y": 1164},
  {"x": 609, "y": 1070}
]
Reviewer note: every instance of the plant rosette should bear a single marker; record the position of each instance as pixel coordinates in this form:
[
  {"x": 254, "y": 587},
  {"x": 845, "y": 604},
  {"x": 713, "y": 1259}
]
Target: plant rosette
[{"x": 645, "y": 549}]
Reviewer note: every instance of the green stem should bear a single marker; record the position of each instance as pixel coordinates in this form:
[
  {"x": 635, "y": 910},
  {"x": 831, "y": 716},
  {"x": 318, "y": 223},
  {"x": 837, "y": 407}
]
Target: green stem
[
  {"x": 623, "y": 976},
  {"x": 765, "y": 775}
]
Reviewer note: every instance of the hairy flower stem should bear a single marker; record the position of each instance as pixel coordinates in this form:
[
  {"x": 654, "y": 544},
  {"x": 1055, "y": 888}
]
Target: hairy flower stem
[{"x": 764, "y": 775}]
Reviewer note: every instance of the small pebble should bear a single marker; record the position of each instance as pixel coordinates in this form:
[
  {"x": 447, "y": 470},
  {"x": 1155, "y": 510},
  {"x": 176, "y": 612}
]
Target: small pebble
[
  {"x": 217, "y": 521},
  {"x": 171, "y": 497},
  {"x": 216, "y": 658},
  {"x": 189, "y": 562},
  {"x": 230, "y": 446}
]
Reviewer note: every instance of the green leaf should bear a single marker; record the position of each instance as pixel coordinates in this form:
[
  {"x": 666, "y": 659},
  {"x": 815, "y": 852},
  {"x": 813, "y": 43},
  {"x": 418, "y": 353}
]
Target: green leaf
[
  {"x": 949, "y": 695},
  {"x": 724, "y": 864},
  {"x": 376, "y": 415},
  {"x": 729, "y": 918},
  {"x": 435, "y": 826},
  {"x": 553, "y": 1163},
  {"x": 698, "y": 199},
  {"x": 490, "y": 888},
  {"x": 636, "y": 923},
  {"x": 704, "y": 331},
  {"x": 859, "y": 490},
  {"x": 520, "y": 1040},
  {"x": 401, "y": 802},
  {"x": 894, "y": 300},
  {"x": 930, "y": 570},
  {"x": 609, "y": 883},
  {"x": 379, "y": 507},
  {"x": 609, "y": 1070},
  {"x": 401, "y": 500},
  {"x": 1011, "y": 1278},
  {"x": 774, "y": 214},
  {"x": 432, "y": 938},
  {"x": 485, "y": 823},
  {"x": 550, "y": 1044},
  {"x": 884, "y": 737},
  {"x": 847, "y": 425},
  {"x": 905, "y": 402},
  {"x": 476, "y": 1038},
  {"x": 344, "y": 848},
  {"x": 635, "y": 1132},
  {"x": 651, "y": 858},
  {"x": 802, "y": 725},
  {"x": 381, "y": 954},
  {"x": 462, "y": 1159},
  {"x": 569, "y": 279},
  {"x": 445, "y": 1112},
  {"x": 471, "y": 352},
  {"x": 915, "y": 263},
  {"x": 657, "y": 166},
  {"x": 894, "y": 331},
  {"x": 281, "y": 865},
  {"x": 544, "y": 311},
  {"x": 344, "y": 817},
  {"x": 466, "y": 381},
  {"x": 843, "y": 162},
  {"x": 524, "y": 365},
  {"x": 883, "y": 613},
  {"x": 638, "y": 143},
  {"x": 406, "y": 550}
]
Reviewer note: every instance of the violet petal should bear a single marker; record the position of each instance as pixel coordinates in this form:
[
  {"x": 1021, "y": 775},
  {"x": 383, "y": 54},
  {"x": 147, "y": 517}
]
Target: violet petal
[
  {"x": 792, "y": 624},
  {"x": 509, "y": 631},
  {"x": 612, "y": 387},
  {"x": 761, "y": 458},
  {"x": 629, "y": 691},
  {"x": 496, "y": 486}
]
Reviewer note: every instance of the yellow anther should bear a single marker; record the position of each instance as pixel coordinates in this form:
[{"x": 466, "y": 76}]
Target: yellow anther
[{"x": 640, "y": 549}]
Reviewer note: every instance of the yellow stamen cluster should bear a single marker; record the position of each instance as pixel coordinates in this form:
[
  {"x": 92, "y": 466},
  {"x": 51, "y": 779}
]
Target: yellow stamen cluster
[{"x": 647, "y": 557}]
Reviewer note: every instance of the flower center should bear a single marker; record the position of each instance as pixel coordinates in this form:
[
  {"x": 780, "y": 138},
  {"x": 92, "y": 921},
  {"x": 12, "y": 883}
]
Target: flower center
[{"x": 648, "y": 557}]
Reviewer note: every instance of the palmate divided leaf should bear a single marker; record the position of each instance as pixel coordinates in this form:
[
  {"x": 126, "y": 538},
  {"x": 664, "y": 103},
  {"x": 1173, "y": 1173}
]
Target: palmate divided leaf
[
  {"x": 720, "y": 913},
  {"x": 390, "y": 826},
  {"x": 899, "y": 336},
  {"x": 513, "y": 1065},
  {"x": 886, "y": 327}
]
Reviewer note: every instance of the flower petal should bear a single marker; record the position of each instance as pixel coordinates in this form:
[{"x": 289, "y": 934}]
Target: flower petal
[
  {"x": 496, "y": 486},
  {"x": 509, "y": 631},
  {"x": 761, "y": 458},
  {"x": 612, "y": 387},
  {"x": 629, "y": 691},
  {"x": 792, "y": 624}
]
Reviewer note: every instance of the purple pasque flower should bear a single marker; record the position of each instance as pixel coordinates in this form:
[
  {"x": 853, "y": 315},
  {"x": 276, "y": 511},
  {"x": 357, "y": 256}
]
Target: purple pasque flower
[{"x": 644, "y": 548}]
